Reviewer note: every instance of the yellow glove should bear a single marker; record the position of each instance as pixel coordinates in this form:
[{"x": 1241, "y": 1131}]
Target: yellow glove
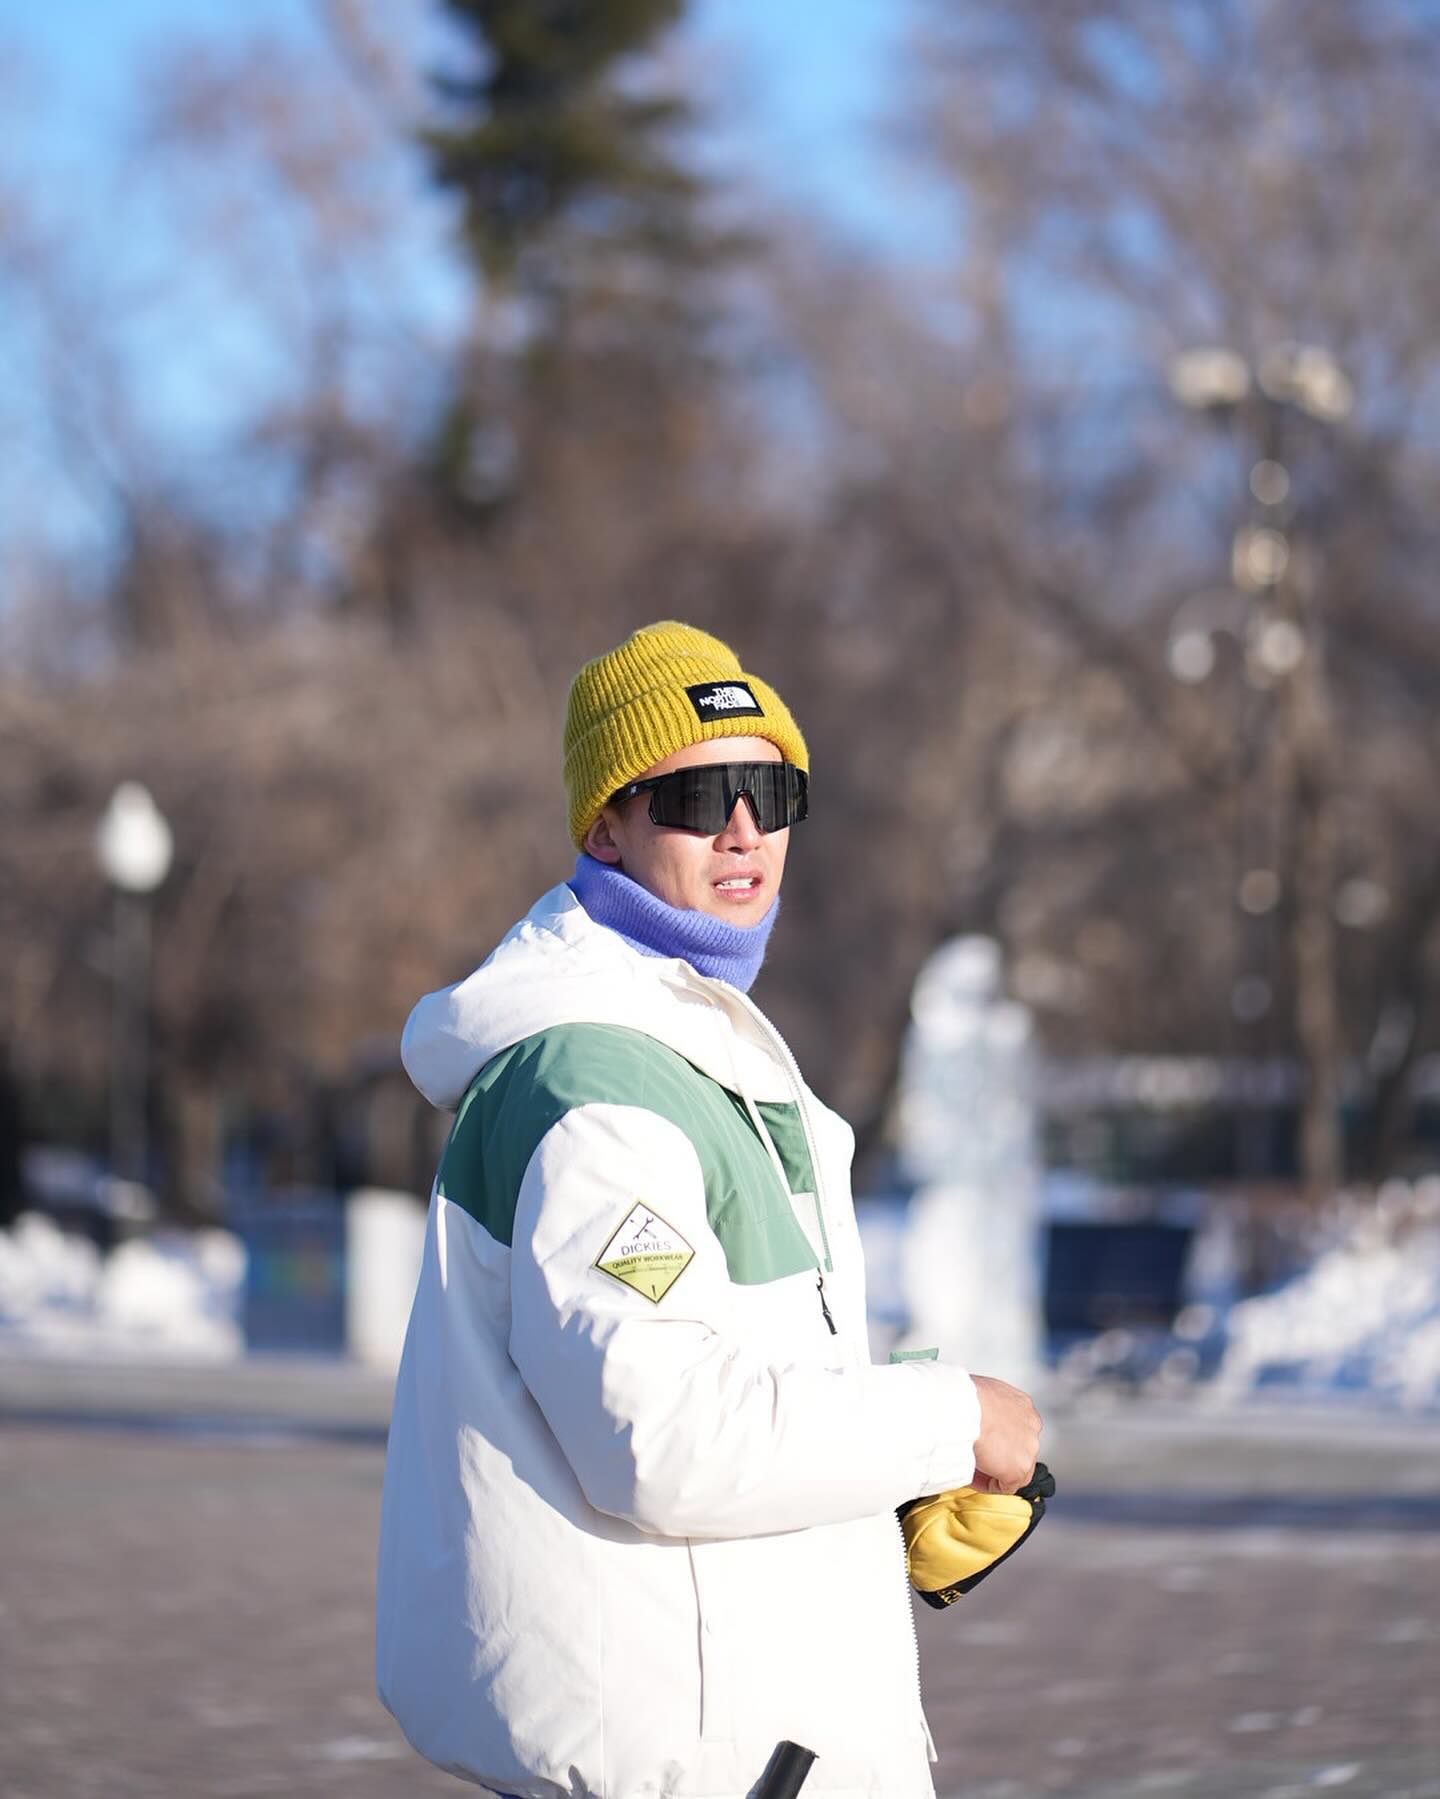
[{"x": 953, "y": 1540}]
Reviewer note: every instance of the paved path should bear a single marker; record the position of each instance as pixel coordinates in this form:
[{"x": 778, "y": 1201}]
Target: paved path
[{"x": 185, "y": 1590}]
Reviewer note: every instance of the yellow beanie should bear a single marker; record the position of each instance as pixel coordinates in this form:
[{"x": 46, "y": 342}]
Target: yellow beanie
[{"x": 666, "y": 686}]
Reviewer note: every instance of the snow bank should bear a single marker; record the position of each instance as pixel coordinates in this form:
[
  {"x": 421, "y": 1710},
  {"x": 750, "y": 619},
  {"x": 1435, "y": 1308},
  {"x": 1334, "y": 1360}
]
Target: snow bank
[
  {"x": 169, "y": 1294},
  {"x": 1363, "y": 1317}
]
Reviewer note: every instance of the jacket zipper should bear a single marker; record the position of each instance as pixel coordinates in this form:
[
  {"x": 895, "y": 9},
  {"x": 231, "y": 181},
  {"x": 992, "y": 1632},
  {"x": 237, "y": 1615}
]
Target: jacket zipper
[
  {"x": 820, "y": 1289},
  {"x": 792, "y": 1068},
  {"x": 794, "y": 1072},
  {"x": 914, "y": 1640}
]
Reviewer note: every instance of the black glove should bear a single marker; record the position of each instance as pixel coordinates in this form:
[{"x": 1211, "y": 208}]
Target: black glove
[{"x": 953, "y": 1540}]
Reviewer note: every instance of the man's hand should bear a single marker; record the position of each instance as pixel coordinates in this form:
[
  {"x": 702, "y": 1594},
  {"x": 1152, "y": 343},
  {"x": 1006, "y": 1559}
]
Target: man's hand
[{"x": 1009, "y": 1439}]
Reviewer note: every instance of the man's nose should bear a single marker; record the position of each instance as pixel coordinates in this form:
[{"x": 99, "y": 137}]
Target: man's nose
[{"x": 742, "y": 829}]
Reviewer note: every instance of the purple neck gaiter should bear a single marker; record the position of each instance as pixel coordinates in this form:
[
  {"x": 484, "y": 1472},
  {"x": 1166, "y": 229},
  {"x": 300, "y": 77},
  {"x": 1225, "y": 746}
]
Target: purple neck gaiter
[{"x": 726, "y": 952}]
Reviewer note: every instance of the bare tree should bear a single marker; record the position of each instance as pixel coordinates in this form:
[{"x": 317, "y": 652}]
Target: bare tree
[
  {"x": 343, "y": 685},
  {"x": 968, "y": 527},
  {"x": 1134, "y": 183}
]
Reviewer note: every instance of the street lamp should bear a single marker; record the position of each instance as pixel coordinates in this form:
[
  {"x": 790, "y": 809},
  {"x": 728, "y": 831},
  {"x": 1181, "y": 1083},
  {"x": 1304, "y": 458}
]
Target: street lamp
[
  {"x": 135, "y": 848},
  {"x": 1285, "y": 652},
  {"x": 1301, "y": 375}
]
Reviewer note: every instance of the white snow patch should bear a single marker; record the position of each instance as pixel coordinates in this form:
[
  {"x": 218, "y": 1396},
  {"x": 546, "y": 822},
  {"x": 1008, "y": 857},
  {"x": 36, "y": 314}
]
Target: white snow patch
[
  {"x": 173, "y": 1293},
  {"x": 1364, "y": 1317}
]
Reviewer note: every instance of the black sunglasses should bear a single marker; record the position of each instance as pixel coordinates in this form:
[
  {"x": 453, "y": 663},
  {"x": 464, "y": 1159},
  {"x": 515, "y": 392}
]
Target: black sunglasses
[{"x": 702, "y": 799}]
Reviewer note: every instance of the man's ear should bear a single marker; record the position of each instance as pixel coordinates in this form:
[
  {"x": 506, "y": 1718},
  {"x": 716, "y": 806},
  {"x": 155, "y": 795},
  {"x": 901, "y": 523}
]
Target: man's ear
[{"x": 599, "y": 843}]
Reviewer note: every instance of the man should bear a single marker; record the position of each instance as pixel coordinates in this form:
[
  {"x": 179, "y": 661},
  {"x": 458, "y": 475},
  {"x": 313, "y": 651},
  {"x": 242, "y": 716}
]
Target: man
[{"x": 639, "y": 1510}]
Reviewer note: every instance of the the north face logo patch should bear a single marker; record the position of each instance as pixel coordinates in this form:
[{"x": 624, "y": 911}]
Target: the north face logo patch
[{"x": 724, "y": 699}]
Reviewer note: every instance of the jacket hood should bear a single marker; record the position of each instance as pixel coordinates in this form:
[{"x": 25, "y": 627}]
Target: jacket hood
[{"x": 557, "y": 966}]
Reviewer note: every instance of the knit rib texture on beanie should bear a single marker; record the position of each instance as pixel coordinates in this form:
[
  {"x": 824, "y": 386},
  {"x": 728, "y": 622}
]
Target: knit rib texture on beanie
[{"x": 665, "y": 687}]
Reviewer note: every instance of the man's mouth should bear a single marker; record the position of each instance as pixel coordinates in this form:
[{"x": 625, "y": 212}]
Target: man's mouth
[{"x": 738, "y": 884}]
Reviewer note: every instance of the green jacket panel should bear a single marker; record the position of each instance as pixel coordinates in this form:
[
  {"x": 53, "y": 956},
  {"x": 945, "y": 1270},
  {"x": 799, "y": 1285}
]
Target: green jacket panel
[{"x": 526, "y": 1089}]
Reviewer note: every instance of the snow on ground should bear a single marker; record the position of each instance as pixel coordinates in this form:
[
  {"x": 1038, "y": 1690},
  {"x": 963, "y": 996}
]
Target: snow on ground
[
  {"x": 1363, "y": 1317},
  {"x": 169, "y": 1294}
]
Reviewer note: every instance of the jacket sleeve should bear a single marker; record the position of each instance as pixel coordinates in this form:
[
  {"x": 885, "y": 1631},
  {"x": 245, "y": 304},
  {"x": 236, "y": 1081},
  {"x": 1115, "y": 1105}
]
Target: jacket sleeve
[{"x": 669, "y": 1418}]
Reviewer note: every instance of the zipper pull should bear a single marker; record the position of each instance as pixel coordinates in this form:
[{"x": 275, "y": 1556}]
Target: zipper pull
[{"x": 820, "y": 1289}]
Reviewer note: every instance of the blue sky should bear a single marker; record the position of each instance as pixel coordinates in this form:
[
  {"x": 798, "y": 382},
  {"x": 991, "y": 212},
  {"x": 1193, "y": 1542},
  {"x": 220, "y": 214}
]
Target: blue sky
[
  {"x": 799, "y": 83},
  {"x": 815, "y": 81},
  {"x": 796, "y": 91}
]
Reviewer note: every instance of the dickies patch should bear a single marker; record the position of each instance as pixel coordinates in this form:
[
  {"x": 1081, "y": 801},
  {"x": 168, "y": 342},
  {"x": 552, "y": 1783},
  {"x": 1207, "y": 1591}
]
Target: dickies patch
[
  {"x": 645, "y": 1253},
  {"x": 724, "y": 699}
]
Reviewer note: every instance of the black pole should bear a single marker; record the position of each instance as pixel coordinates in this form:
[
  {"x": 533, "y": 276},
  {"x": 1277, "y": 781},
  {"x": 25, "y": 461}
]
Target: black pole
[
  {"x": 129, "y": 1079},
  {"x": 785, "y": 1773}
]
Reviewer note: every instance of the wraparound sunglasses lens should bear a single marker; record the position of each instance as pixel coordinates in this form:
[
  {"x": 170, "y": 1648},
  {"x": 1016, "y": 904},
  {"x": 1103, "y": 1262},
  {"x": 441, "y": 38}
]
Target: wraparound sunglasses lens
[{"x": 702, "y": 799}]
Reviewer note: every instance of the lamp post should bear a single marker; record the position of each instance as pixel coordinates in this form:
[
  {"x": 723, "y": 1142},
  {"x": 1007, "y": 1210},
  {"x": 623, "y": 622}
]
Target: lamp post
[
  {"x": 1285, "y": 653},
  {"x": 135, "y": 847}
]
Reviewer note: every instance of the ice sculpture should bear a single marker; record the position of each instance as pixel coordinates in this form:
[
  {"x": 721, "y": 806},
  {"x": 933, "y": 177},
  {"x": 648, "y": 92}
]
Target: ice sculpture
[{"x": 970, "y": 1260}]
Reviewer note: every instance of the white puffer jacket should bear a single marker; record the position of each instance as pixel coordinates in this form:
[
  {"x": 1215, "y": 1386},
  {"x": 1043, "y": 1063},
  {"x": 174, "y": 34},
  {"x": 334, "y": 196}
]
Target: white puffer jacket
[{"x": 638, "y": 1520}]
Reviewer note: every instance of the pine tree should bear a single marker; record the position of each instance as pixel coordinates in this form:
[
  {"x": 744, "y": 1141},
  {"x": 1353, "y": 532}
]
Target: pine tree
[{"x": 565, "y": 153}]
